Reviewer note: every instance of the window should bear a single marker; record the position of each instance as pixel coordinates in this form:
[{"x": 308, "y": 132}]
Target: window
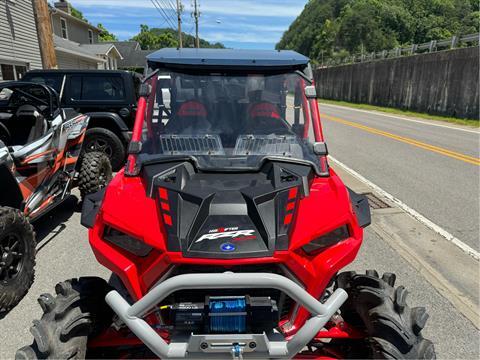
[
  {"x": 20, "y": 71},
  {"x": 52, "y": 80},
  {"x": 8, "y": 72},
  {"x": 90, "y": 36},
  {"x": 97, "y": 88},
  {"x": 63, "y": 24}
]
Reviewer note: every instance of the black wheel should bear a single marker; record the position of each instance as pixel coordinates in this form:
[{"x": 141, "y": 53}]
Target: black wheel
[
  {"x": 375, "y": 306},
  {"x": 106, "y": 141},
  {"x": 17, "y": 257},
  {"x": 95, "y": 173},
  {"x": 77, "y": 312}
]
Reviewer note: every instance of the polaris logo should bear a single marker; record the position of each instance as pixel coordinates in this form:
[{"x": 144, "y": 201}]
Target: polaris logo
[{"x": 232, "y": 233}]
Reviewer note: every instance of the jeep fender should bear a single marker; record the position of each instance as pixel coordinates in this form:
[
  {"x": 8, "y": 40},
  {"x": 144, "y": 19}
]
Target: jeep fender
[
  {"x": 109, "y": 117},
  {"x": 112, "y": 122},
  {"x": 10, "y": 195}
]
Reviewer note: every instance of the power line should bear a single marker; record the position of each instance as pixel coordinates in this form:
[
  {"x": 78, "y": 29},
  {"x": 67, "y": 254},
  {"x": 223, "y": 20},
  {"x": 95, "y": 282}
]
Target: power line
[{"x": 162, "y": 12}]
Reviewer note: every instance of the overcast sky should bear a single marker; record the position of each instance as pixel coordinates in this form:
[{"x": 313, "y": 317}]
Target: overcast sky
[{"x": 235, "y": 23}]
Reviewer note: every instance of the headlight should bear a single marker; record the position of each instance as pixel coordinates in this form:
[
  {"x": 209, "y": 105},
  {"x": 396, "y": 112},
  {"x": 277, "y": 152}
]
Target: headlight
[
  {"x": 329, "y": 239},
  {"x": 126, "y": 242}
]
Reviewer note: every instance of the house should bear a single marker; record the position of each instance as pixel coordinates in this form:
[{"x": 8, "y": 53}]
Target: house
[
  {"x": 77, "y": 43},
  {"x": 19, "y": 47},
  {"x": 134, "y": 58}
]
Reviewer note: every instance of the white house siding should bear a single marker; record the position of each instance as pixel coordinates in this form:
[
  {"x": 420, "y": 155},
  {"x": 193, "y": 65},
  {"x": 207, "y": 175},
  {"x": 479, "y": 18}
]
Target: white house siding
[
  {"x": 67, "y": 61},
  {"x": 18, "y": 35}
]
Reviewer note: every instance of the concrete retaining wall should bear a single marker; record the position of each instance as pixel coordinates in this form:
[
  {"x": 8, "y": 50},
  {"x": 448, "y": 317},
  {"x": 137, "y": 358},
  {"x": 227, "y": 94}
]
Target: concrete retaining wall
[{"x": 443, "y": 83}]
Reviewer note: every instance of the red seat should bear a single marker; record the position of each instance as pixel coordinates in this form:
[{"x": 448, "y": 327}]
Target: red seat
[
  {"x": 190, "y": 118},
  {"x": 192, "y": 108},
  {"x": 265, "y": 110}
]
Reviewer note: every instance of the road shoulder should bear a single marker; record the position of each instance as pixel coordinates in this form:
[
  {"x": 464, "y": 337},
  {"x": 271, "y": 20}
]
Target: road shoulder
[{"x": 452, "y": 272}]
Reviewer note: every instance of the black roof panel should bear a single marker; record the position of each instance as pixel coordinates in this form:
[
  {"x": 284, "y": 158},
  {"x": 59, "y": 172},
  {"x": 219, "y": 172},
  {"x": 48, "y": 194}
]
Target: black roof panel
[{"x": 226, "y": 58}]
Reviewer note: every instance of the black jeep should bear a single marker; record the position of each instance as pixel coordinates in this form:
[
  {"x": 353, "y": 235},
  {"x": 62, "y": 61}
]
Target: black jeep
[{"x": 108, "y": 97}]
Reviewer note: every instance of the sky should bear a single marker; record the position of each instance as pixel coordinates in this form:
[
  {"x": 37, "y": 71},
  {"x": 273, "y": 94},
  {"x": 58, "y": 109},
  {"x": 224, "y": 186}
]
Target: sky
[{"x": 245, "y": 24}]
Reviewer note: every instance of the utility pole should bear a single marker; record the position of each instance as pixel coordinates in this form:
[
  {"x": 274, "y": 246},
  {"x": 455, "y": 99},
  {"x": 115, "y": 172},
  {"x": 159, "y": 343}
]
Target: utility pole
[
  {"x": 45, "y": 34},
  {"x": 179, "y": 17},
  {"x": 196, "y": 15}
]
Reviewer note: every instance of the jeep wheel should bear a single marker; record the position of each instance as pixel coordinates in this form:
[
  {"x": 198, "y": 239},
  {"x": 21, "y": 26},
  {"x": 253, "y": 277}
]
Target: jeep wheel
[
  {"x": 106, "y": 141},
  {"x": 77, "y": 312},
  {"x": 17, "y": 257},
  {"x": 95, "y": 173},
  {"x": 393, "y": 329}
]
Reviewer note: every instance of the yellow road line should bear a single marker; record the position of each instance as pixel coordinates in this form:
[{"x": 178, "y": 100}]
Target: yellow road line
[{"x": 436, "y": 149}]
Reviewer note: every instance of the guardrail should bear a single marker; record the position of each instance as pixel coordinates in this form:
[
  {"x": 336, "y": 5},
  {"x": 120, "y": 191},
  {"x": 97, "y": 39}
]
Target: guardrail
[{"x": 429, "y": 47}]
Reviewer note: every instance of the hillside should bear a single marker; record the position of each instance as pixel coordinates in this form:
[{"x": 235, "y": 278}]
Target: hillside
[
  {"x": 156, "y": 38},
  {"x": 335, "y": 27}
]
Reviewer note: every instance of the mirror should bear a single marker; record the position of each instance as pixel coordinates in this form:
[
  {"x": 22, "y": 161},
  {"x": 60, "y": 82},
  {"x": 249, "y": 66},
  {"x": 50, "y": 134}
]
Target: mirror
[{"x": 320, "y": 149}]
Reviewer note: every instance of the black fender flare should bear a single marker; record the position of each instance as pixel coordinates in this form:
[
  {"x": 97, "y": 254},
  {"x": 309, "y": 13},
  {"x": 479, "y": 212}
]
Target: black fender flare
[
  {"x": 361, "y": 207},
  {"x": 11, "y": 194},
  {"x": 115, "y": 118}
]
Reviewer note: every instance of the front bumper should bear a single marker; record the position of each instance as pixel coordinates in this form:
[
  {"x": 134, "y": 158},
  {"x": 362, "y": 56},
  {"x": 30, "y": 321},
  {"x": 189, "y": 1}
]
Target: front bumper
[{"x": 217, "y": 346}]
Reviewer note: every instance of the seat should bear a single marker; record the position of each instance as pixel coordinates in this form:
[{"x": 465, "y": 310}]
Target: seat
[
  {"x": 190, "y": 119},
  {"x": 27, "y": 125},
  {"x": 264, "y": 118}
]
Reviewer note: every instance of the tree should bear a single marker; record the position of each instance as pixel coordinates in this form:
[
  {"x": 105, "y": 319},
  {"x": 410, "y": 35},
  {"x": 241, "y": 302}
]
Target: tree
[
  {"x": 155, "y": 38},
  {"x": 105, "y": 35},
  {"x": 339, "y": 27},
  {"x": 77, "y": 13}
]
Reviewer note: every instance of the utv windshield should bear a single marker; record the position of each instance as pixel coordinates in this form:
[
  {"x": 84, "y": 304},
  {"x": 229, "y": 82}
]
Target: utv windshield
[{"x": 229, "y": 121}]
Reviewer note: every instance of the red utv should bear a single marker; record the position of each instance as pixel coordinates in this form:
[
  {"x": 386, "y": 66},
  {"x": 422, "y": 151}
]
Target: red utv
[
  {"x": 227, "y": 230},
  {"x": 40, "y": 144}
]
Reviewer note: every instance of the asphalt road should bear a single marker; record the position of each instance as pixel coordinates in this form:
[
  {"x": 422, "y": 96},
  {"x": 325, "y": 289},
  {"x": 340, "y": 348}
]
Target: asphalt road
[
  {"x": 64, "y": 252},
  {"x": 432, "y": 167}
]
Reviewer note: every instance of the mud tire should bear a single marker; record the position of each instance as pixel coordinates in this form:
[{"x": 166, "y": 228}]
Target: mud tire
[
  {"x": 378, "y": 308},
  {"x": 105, "y": 140},
  {"x": 95, "y": 173},
  {"x": 12, "y": 221},
  {"x": 76, "y": 312}
]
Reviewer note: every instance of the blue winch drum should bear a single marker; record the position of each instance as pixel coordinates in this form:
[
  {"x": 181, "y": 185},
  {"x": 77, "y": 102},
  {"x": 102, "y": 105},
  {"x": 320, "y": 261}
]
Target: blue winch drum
[{"x": 228, "y": 314}]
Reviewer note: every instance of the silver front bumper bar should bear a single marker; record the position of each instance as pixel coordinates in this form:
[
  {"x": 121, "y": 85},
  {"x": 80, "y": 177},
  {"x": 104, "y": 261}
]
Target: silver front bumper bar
[{"x": 210, "y": 345}]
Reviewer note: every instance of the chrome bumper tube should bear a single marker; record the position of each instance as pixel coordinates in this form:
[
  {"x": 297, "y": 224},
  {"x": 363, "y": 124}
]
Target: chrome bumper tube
[{"x": 219, "y": 346}]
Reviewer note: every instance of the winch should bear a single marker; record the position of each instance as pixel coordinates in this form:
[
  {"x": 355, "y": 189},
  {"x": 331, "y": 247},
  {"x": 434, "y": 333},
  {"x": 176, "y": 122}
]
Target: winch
[{"x": 226, "y": 315}]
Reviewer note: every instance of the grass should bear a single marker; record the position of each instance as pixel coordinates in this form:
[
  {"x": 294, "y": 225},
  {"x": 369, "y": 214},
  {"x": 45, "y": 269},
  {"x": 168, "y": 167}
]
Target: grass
[{"x": 468, "y": 122}]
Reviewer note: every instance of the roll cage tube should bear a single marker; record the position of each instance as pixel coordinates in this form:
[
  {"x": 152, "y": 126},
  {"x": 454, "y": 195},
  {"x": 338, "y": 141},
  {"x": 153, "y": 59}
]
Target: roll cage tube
[{"x": 53, "y": 102}]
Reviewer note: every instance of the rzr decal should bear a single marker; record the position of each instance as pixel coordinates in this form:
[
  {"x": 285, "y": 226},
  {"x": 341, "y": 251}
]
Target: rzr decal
[{"x": 231, "y": 232}]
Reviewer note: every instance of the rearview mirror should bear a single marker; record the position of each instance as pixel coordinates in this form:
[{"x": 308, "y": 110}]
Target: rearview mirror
[
  {"x": 310, "y": 92},
  {"x": 320, "y": 149}
]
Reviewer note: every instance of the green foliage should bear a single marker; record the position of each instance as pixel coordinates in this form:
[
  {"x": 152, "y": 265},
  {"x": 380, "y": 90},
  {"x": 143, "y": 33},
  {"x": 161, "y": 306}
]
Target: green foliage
[
  {"x": 155, "y": 38},
  {"x": 77, "y": 13},
  {"x": 105, "y": 35},
  {"x": 337, "y": 28}
]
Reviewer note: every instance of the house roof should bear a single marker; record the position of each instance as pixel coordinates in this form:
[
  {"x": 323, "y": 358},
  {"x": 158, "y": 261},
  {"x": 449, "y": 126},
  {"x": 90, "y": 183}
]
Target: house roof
[
  {"x": 133, "y": 56},
  {"x": 125, "y": 47},
  {"x": 73, "y": 48},
  {"x": 227, "y": 58},
  {"x": 101, "y": 49},
  {"x": 64, "y": 14}
]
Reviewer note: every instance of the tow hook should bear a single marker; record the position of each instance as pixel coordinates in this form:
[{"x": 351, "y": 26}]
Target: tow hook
[{"x": 237, "y": 352}]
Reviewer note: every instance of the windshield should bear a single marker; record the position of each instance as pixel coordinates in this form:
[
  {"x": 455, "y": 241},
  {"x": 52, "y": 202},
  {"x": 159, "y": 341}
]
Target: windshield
[{"x": 227, "y": 121}]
